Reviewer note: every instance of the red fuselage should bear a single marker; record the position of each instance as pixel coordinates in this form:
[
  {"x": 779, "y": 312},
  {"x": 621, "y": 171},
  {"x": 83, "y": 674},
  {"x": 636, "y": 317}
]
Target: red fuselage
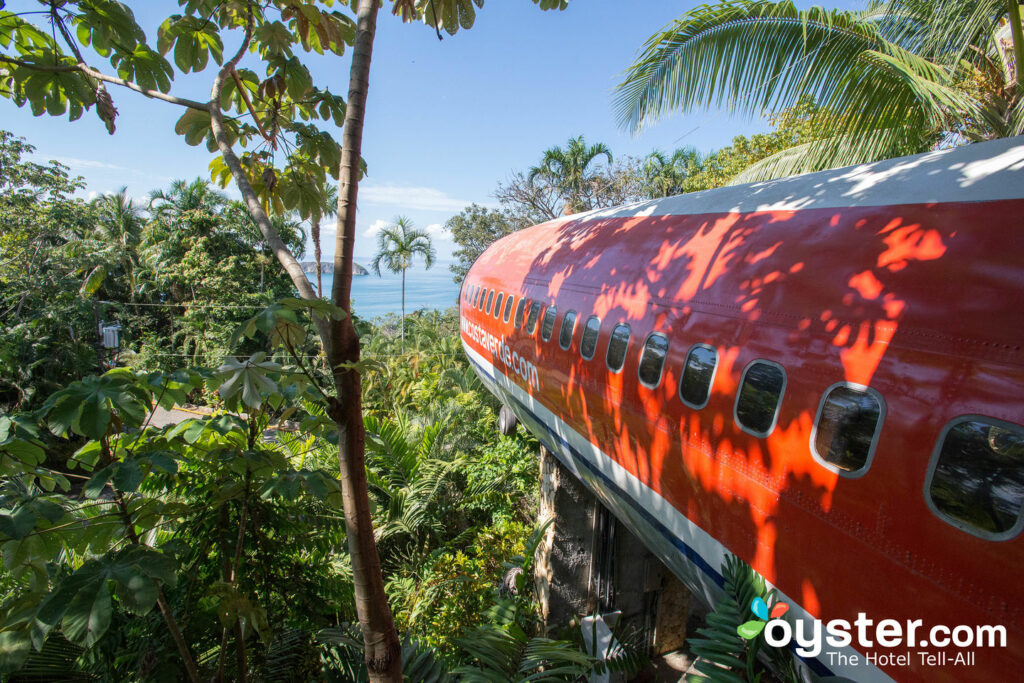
[{"x": 899, "y": 284}]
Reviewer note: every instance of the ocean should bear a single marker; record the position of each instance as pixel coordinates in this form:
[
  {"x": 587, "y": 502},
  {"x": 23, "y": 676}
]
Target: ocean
[{"x": 373, "y": 297}]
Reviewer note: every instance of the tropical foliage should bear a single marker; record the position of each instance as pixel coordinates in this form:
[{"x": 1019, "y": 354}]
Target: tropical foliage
[
  {"x": 727, "y": 647},
  {"x": 897, "y": 78},
  {"x": 571, "y": 170},
  {"x": 178, "y": 274},
  {"x": 147, "y": 553},
  {"x": 286, "y": 166},
  {"x": 45, "y": 279}
]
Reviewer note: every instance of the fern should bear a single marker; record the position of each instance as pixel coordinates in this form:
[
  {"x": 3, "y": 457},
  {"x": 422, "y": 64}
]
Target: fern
[{"x": 725, "y": 656}]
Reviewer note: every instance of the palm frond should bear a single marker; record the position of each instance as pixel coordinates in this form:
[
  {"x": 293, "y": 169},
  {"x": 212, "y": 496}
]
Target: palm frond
[
  {"x": 832, "y": 152},
  {"x": 950, "y": 27},
  {"x": 747, "y": 56}
]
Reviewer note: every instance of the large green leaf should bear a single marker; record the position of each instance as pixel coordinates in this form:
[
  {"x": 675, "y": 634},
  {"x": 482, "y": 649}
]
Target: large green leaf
[
  {"x": 193, "y": 39},
  {"x": 248, "y": 379},
  {"x": 88, "y": 614},
  {"x": 146, "y": 67},
  {"x": 92, "y": 406}
]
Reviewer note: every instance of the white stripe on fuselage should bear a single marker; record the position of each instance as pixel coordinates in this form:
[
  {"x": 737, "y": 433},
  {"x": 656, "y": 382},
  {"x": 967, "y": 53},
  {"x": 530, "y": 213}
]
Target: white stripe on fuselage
[{"x": 681, "y": 527}]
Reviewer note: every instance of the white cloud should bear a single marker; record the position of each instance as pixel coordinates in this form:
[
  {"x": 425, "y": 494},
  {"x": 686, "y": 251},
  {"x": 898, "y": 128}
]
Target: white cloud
[
  {"x": 438, "y": 232},
  {"x": 377, "y": 226},
  {"x": 411, "y": 198},
  {"x": 74, "y": 162}
]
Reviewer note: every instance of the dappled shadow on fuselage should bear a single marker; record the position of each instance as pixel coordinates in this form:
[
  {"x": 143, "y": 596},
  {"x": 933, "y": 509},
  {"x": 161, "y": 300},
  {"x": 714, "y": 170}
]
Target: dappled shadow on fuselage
[{"x": 861, "y": 295}]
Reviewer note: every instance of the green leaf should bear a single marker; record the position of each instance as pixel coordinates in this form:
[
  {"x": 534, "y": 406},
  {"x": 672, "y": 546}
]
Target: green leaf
[
  {"x": 15, "y": 647},
  {"x": 98, "y": 481},
  {"x": 89, "y": 613},
  {"x": 20, "y": 524},
  {"x": 93, "y": 418},
  {"x": 94, "y": 280},
  {"x": 194, "y": 41},
  {"x": 63, "y": 413},
  {"x": 134, "y": 589},
  {"x": 145, "y": 67},
  {"x": 248, "y": 378},
  {"x": 87, "y": 455},
  {"x": 157, "y": 565},
  {"x": 194, "y": 125},
  {"x": 128, "y": 476},
  {"x": 25, "y": 452}
]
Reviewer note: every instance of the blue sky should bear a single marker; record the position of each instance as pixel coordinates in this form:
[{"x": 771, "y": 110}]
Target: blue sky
[{"x": 445, "y": 120}]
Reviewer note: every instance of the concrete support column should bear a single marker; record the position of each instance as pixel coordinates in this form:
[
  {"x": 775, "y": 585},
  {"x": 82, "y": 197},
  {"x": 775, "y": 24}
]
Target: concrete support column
[
  {"x": 589, "y": 562},
  {"x": 564, "y": 563}
]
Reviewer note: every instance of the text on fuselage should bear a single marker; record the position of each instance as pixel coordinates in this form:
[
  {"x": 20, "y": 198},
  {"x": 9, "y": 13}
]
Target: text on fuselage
[{"x": 502, "y": 352}]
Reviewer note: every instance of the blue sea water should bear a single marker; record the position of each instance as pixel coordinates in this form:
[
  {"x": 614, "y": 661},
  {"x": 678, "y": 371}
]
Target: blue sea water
[{"x": 373, "y": 296}]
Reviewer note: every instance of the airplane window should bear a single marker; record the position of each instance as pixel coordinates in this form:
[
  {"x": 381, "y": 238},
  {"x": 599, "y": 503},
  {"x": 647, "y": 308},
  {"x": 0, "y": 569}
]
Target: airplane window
[
  {"x": 548, "y": 326},
  {"x": 476, "y": 297},
  {"x": 652, "y": 359},
  {"x": 617, "y": 345},
  {"x": 483, "y": 299},
  {"x": 508, "y": 308},
  {"x": 757, "y": 404},
  {"x": 976, "y": 480},
  {"x": 490, "y": 300},
  {"x": 698, "y": 373},
  {"x": 846, "y": 430},
  {"x": 531, "y": 320},
  {"x": 518, "y": 321},
  {"x": 568, "y": 327},
  {"x": 497, "y": 305},
  {"x": 588, "y": 344}
]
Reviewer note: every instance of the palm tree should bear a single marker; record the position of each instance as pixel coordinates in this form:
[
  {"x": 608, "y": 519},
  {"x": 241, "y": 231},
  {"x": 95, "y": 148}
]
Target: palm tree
[
  {"x": 664, "y": 176},
  {"x": 120, "y": 227},
  {"x": 329, "y": 209},
  {"x": 187, "y": 203},
  {"x": 397, "y": 245},
  {"x": 569, "y": 170},
  {"x": 891, "y": 80}
]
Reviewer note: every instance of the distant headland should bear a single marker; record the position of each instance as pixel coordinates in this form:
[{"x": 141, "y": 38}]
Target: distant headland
[{"x": 327, "y": 268}]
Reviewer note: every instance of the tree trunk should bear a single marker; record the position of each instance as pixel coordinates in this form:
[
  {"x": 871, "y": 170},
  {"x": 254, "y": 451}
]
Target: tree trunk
[
  {"x": 316, "y": 252},
  {"x": 382, "y": 647},
  {"x": 341, "y": 345},
  {"x": 403, "y": 310}
]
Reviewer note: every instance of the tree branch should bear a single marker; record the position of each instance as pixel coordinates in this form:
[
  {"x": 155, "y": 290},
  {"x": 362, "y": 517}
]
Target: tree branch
[
  {"x": 252, "y": 110},
  {"x": 40, "y": 67},
  {"x": 252, "y": 201},
  {"x": 100, "y": 76},
  {"x": 155, "y": 94}
]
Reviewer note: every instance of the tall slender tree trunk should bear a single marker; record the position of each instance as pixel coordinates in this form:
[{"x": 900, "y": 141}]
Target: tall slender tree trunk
[
  {"x": 316, "y": 252},
  {"x": 382, "y": 647},
  {"x": 403, "y": 310}
]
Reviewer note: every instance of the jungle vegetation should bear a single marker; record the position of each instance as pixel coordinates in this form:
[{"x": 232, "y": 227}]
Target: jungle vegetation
[
  {"x": 207, "y": 550},
  {"x": 218, "y": 544}
]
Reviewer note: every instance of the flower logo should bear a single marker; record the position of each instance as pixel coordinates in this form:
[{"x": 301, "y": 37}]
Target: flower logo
[{"x": 751, "y": 629}]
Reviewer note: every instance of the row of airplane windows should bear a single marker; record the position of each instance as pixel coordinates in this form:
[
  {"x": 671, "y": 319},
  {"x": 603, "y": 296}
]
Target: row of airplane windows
[{"x": 975, "y": 479}]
